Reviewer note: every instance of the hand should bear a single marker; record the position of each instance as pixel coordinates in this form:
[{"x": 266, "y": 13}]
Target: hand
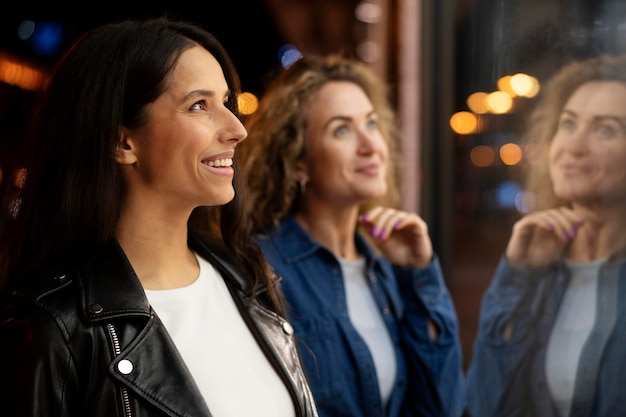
[
  {"x": 401, "y": 237},
  {"x": 539, "y": 238}
]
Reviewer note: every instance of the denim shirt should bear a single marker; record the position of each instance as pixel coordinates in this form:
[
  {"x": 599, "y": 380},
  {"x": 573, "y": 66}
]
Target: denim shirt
[
  {"x": 507, "y": 377},
  {"x": 341, "y": 372}
]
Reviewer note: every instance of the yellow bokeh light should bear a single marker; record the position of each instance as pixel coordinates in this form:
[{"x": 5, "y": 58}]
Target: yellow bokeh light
[
  {"x": 477, "y": 102},
  {"x": 482, "y": 156},
  {"x": 248, "y": 103},
  {"x": 521, "y": 84},
  {"x": 504, "y": 84},
  {"x": 511, "y": 154},
  {"x": 534, "y": 88},
  {"x": 499, "y": 102},
  {"x": 463, "y": 122}
]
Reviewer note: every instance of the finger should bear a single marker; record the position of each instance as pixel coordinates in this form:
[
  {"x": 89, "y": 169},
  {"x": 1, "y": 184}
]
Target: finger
[
  {"x": 566, "y": 221},
  {"x": 384, "y": 222}
]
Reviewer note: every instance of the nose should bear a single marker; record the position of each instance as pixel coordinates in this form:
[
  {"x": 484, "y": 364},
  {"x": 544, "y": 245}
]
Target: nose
[
  {"x": 578, "y": 141},
  {"x": 234, "y": 130},
  {"x": 369, "y": 141}
]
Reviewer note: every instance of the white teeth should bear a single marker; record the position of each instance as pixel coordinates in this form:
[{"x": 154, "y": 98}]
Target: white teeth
[{"x": 220, "y": 163}]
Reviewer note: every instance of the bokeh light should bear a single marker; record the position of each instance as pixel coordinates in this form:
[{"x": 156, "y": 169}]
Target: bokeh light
[
  {"x": 248, "y": 103},
  {"x": 499, "y": 102},
  {"x": 288, "y": 54},
  {"x": 504, "y": 84},
  {"x": 477, "y": 102},
  {"x": 18, "y": 73},
  {"x": 482, "y": 156},
  {"x": 463, "y": 122},
  {"x": 368, "y": 12},
  {"x": 510, "y": 154}
]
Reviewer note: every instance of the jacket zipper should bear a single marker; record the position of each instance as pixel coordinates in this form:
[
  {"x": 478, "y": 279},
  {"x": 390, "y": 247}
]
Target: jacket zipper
[{"x": 117, "y": 351}]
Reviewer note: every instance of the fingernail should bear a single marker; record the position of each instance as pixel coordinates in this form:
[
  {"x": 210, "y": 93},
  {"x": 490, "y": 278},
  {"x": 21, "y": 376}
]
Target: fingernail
[
  {"x": 573, "y": 232},
  {"x": 382, "y": 234},
  {"x": 366, "y": 216},
  {"x": 374, "y": 231},
  {"x": 550, "y": 226},
  {"x": 565, "y": 235},
  {"x": 397, "y": 224}
]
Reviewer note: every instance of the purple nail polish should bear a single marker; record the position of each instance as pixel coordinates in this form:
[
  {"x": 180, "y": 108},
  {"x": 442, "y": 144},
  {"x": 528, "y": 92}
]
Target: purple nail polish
[{"x": 374, "y": 231}]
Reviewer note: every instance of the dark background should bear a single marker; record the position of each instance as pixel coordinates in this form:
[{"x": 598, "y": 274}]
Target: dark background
[{"x": 244, "y": 27}]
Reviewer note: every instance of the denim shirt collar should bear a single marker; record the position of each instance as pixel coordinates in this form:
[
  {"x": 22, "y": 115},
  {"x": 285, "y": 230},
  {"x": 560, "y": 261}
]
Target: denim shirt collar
[{"x": 296, "y": 244}]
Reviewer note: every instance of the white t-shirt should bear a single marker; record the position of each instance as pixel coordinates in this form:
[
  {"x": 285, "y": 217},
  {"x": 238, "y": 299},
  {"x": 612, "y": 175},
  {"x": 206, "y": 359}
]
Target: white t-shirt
[
  {"x": 232, "y": 372},
  {"x": 368, "y": 321}
]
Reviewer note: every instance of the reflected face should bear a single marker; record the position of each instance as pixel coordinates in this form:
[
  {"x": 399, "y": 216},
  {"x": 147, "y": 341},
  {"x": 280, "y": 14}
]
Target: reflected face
[
  {"x": 588, "y": 152},
  {"x": 347, "y": 155},
  {"x": 184, "y": 153}
]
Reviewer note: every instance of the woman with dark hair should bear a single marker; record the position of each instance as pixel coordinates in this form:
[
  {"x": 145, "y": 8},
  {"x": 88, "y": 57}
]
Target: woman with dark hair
[
  {"x": 552, "y": 323},
  {"x": 374, "y": 320},
  {"x": 131, "y": 286}
]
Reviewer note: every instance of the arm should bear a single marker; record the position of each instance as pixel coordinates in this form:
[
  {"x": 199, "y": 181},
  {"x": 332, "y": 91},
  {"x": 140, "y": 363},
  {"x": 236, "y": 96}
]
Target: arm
[
  {"x": 497, "y": 379},
  {"x": 436, "y": 381},
  {"x": 429, "y": 325}
]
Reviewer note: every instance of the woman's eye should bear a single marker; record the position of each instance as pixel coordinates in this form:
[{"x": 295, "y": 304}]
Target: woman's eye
[
  {"x": 567, "y": 124},
  {"x": 198, "y": 106},
  {"x": 372, "y": 124},
  {"x": 605, "y": 130},
  {"x": 341, "y": 130}
]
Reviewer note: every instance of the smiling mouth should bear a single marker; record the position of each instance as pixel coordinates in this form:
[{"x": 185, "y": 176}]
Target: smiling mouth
[{"x": 226, "y": 162}]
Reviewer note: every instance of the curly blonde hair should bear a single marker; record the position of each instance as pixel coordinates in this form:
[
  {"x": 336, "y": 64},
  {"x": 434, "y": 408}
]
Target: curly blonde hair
[
  {"x": 544, "y": 119},
  {"x": 276, "y": 133}
]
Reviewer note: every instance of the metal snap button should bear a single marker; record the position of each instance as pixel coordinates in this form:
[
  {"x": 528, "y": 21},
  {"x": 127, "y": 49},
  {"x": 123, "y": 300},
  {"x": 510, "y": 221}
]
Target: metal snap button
[
  {"x": 95, "y": 308},
  {"x": 125, "y": 366},
  {"x": 287, "y": 328}
]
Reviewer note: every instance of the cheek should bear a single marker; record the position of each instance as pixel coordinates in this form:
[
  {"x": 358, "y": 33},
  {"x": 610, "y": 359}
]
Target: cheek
[{"x": 615, "y": 167}]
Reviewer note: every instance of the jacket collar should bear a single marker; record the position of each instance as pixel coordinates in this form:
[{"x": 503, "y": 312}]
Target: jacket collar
[
  {"x": 109, "y": 287},
  {"x": 295, "y": 243}
]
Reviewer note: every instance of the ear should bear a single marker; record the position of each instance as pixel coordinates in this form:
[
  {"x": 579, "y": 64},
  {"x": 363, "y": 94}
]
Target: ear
[{"x": 125, "y": 152}]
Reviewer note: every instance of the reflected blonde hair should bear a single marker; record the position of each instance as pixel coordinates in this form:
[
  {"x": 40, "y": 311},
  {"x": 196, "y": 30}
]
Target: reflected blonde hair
[
  {"x": 543, "y": 121},
  {"x": 276, "y": 134}
]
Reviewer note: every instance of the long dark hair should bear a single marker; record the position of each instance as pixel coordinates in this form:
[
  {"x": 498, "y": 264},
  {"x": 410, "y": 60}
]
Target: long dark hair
[{"x": 68, "y": 205}]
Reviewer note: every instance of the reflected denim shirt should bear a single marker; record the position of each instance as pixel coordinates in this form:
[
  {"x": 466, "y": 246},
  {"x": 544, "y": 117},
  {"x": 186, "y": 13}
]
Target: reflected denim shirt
[{"x": 507, "y": 376}]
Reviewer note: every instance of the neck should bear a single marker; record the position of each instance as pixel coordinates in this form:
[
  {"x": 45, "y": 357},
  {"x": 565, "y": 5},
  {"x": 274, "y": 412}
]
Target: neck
[
  {"x": 157, "y": 249},
  {"x": 334, "y": 229},
  {"x": 603, "y": 233}
]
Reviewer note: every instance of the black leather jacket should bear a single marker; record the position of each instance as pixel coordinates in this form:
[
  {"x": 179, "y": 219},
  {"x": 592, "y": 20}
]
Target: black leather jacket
[{"x": 87, "y": 343}]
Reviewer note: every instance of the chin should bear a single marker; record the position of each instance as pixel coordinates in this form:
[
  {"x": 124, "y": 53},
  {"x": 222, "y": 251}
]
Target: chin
[{"x": 220, "y": 200}]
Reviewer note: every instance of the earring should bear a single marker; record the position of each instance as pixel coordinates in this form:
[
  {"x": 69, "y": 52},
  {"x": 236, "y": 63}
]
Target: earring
[{"x": 302, "y": 186}]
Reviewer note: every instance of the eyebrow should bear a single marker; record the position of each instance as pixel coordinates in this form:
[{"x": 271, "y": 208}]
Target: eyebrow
[
  {"x": 620, "y": 120},
  {"x": 346, "y": 118},
  {"x": 203, "y": 93}
]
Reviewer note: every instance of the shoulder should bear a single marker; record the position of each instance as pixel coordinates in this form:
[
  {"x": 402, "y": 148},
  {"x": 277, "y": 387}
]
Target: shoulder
[{"x": 47, "y": 306}]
